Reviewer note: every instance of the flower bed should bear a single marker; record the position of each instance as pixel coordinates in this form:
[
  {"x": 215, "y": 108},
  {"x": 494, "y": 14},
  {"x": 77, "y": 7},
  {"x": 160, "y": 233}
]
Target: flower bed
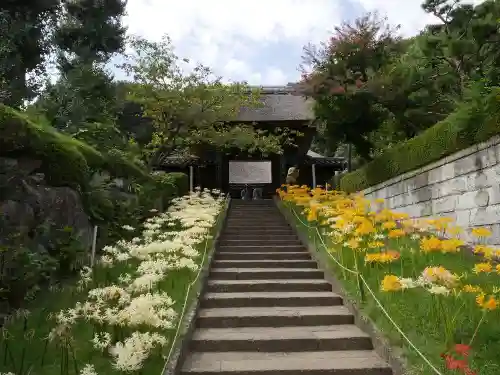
[
  {"x": 442, "y": 297},
  {"x": 122, "y": 315}
]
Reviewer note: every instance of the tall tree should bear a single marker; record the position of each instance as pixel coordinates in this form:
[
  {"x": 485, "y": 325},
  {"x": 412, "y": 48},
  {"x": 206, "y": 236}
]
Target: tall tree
[
  {"x": 84, "y": 91},
  {"x": 336, "y": 74},
  {"x": 467, "y": 39},
  {"x": 413, "y": 90},
  {"x": 25, "y": 29},
  {"x": 189, "y": 109}
]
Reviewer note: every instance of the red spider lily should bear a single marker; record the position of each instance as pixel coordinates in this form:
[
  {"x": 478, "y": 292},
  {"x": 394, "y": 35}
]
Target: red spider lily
[
  {"x": 459, "y": 364},
  {"x": 462, "y": 349}
]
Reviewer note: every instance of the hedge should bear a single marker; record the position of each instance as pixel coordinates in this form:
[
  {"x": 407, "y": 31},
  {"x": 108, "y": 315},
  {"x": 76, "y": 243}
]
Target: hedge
[
  {"x": 66, "y": 161},
  {"x": 476, "y": 120}
]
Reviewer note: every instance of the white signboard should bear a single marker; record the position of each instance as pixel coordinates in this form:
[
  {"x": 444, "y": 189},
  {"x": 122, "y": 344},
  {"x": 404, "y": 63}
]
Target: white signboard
[{"x": 250, "y": 172}]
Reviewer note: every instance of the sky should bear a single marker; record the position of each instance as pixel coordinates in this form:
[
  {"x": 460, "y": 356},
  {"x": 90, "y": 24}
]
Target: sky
[{"x": 258, "y": 41}]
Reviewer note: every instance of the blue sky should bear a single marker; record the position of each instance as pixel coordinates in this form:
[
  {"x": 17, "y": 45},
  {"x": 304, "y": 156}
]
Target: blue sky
[{"x": 259, "y": 41}]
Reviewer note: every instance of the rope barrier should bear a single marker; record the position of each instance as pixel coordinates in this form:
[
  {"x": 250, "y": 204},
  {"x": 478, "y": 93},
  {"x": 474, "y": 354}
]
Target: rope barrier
[
  {"x": 377, "y": 301},
  {"x": 188, "y": 291}
]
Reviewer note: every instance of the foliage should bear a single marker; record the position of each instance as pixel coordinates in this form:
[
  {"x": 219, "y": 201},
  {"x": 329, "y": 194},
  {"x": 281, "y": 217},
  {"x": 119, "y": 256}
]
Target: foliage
[
  {"x": 336, "y": 74},
  {"x": 82, "y": 95},
  {"x": 84, "y": 92},
  {"x": 411, "y": 84},
  {"x": 443, "y": 297},
  {"x": 188, "y": 109},
  {"x": 466, "y": 40},
  {"x": 65, "y": 160},
  {"x": 151, "y": 274},
  {"x": 24, "y": 45},
  {"x": 475, "y": 120},
  {"x": 78, "y": 36},
  {"x": 414, "y": 92},
  {"x": 26, "y": 266}
]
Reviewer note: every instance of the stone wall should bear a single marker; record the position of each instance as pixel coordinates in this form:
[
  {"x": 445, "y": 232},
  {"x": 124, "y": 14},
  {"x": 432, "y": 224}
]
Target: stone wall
[{"x": 464, "y": 186}]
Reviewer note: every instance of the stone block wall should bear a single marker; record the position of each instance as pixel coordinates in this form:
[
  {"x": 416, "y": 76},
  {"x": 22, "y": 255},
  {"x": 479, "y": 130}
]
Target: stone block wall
[{"x": 464, "y": 186}]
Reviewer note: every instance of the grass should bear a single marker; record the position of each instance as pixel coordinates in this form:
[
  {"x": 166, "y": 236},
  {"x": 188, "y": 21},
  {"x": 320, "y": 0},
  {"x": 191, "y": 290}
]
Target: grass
[
  {"x": 24, "y": 348},
  {"x": 422, "y": 316}
]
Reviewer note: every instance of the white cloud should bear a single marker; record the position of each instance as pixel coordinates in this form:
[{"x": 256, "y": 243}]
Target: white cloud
[
  {"x": 223, "y": 34},
  {"x": 228, "y": 35},
  {"x": 409, "y": 13},
  {"x": 275, "y": 76}
]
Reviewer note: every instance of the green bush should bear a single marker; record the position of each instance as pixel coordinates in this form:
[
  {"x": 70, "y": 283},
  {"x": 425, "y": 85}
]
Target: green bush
[
  {"x": 181, "y": 182},
  {"x": 168, "y": 185},
  {"x": 65, "y": 161},
  {"x": 62, "y": 162},
  {"x": 476, "y": 120}
]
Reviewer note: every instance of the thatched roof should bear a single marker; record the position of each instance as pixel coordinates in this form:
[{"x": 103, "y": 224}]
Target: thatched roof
[{"x": 279, "y": 104}]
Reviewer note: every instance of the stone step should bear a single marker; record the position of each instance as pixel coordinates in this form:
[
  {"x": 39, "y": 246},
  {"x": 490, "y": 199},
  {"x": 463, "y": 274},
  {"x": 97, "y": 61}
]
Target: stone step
[
  {"x": 281, "y": 339},
  {"x": 242, "y": 286},
  {"x": 257, "y": 231},
  {"x": 267, "y": 255},
  {"x": 262, "y": 236},
  {"x": 256, "y": 213},
  {"x": 281, "y": 263},
  {"x": 255, "y": 222},
  {"x": 262, "y": 230},
  {"x": 265, "y": 215},
  {"x": 259, "y": 242},
  {"x": 259, "y": 225},
  {"x": 231, "y": 317},
  {"x": 265, "y": 273},
  {"x": 253, "y": 248},
  {"x": 351, "y": 362},
  {"x": 270, "y": 299},
  {"x": 262, "y": 203}
]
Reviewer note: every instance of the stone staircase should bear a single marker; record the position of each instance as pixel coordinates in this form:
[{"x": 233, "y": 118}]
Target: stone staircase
[{"x": 268, "y": 309}]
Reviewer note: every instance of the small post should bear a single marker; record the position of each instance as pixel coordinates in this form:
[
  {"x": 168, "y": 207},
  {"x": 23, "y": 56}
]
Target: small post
[
  {"x": 349, "y": 157},
  {"x": 313, "y": 168},
  {"x": 94, "y": 244},
  {"x": 191, "y": 179},
  {"x": 358, "y": 279}
]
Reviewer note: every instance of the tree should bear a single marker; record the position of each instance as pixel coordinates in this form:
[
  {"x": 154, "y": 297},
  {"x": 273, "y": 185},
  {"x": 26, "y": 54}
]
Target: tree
[
  {"x": 84, "y": 92},
  {"x": 25, "y": 30},
  {"x": 416, "y": 94},
  {"x": 336, "y": 74},
  {"x": 188, "y": 110},
  {"x": 466, "y": 40}
]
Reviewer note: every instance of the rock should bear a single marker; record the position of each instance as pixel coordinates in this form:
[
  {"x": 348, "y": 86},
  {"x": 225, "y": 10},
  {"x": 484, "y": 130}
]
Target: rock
[
  {"x": 16, "y": 217},
  {"x": 28, "y": 203}
]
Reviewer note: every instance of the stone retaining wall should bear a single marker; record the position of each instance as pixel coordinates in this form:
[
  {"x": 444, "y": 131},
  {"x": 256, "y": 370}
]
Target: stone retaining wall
[{"x": 464, "y": 186}]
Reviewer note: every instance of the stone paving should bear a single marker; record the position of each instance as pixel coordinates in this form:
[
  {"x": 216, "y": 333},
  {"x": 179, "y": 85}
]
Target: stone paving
[{"x": 268, "y": 309}]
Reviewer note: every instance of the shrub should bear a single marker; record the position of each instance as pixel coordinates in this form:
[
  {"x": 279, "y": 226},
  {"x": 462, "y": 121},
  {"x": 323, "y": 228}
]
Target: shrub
[
  {"x": 181, "y": 182},
  {"x": 66, "y": 161},
  {"x": 476, "y": 120}
]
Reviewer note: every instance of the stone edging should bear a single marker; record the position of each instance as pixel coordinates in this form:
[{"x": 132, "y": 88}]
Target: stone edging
[
  {"x": 188, "y": 322},
  {"x": 393, "y": 356}
]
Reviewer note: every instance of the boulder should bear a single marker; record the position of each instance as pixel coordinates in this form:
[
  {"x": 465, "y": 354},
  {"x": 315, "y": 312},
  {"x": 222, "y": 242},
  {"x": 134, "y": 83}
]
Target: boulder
[{"x": 28, "y": 203}]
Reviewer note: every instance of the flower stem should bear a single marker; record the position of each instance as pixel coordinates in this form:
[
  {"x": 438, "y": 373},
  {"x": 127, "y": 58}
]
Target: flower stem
[{"x": 477, "y": 328}]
